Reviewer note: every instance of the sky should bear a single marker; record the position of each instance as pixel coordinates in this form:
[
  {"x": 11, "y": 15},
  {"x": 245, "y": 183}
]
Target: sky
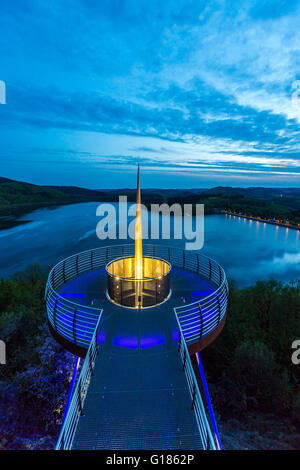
[{"x": 202, "y": 93}]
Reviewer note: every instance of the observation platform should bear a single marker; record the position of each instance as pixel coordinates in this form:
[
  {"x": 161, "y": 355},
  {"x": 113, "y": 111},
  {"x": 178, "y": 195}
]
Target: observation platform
[{"x": 137, "y": 388}]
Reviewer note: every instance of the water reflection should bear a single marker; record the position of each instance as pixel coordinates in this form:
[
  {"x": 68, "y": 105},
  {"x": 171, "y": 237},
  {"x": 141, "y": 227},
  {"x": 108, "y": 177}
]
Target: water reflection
[{"x": 248, "y": 250}]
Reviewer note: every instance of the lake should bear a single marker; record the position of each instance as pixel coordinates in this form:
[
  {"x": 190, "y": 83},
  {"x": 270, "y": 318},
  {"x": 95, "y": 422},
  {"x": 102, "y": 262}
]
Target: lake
[{"x": 248, "y": 250}]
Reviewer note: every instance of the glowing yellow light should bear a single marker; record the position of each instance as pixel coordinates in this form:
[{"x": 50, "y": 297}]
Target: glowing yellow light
[
  {"x": 138, "y": 233},
  {"x": 138, "y": 261}
]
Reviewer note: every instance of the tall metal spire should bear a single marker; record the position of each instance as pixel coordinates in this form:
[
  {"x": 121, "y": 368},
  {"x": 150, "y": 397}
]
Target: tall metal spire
[{"x": 138, "y": 231}]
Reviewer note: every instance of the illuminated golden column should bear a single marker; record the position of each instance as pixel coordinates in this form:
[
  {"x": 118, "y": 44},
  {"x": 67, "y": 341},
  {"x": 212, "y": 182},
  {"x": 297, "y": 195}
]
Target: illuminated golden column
[
  {"x": 136, "y": 281},
  {"x": 138, "y": 232},
  {"x": 138, "y": 244}
]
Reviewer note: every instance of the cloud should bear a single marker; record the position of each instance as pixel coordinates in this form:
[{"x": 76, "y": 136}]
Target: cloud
[
  {"x": 179, "y": 115},
  {"x": 190, "y": 84}
]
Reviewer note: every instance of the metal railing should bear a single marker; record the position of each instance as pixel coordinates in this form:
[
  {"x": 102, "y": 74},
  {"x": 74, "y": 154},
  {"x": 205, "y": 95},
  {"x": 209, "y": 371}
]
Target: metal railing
[
  {"x": 75, "y": 410},
  {"x": 76, "y": 322},
  {"x": 206, "y": 435},
  {"x": 209, "y": 403},
  {"x": 200, "y": 318}
]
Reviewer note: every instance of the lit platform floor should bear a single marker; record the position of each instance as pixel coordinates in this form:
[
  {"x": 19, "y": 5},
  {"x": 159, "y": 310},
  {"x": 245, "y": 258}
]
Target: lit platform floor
[{"x": 138, "y": 397}]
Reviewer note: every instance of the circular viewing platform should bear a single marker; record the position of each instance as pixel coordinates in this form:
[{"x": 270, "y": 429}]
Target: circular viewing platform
[{"x": 76, "y": 293}]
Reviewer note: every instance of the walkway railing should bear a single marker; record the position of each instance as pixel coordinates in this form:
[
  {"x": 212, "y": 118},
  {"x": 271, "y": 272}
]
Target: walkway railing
[
  {"x": 197, "y": 403},
  {"x": 69, "y": 426},
  {"x": 76, "y": 322},
  {"x": 209, "y": 404},
  {"x": 200, "y": 318}
]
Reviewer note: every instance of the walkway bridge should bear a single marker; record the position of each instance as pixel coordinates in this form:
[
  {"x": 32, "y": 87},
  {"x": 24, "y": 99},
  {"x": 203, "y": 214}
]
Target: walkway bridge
[{"x": 136, "y": 388}]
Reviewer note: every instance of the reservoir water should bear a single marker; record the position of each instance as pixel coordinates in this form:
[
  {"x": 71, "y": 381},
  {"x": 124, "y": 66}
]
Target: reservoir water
[{"x": 248, "y": 250}]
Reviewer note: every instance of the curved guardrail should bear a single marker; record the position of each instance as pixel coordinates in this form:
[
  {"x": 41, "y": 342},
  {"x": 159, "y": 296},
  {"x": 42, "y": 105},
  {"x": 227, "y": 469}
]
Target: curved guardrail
[
  {"x": 199, "y": 319},
  {"x": 76, "y": 322}
]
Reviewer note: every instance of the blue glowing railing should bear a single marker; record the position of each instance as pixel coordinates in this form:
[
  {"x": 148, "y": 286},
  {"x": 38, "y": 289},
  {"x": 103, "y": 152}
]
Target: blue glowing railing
[
  {"x": 206, "y": 435},
  {"x": 209, "y": 404},
  {"x": 199, "y": 319},
  {"x": 76, "y": 322},
  {"x": 75, "y": 409}
]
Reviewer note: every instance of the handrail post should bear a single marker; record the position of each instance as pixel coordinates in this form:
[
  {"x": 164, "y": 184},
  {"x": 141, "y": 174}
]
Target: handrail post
[
  {"x": 96, "y": 343},
  {"x": 201, "y": 321},
  {"x": 64, "y": 268},
  {"x": 54, "y": 313},
  {"x": 184, "y": 360},
  {"x": 179, "y": 342},
  {"x": 91, "y": 365},
  {"x": 79, "y": 398},
  {"x": 74, "y": 325},
  {"x": 194, "y": 395},
  {"x": 219, "y": 310}
]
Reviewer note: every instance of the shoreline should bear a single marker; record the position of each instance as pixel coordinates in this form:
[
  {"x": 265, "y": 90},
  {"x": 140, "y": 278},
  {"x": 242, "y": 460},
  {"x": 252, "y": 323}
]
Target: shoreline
[
  {"x": 11, "y": 220},
  {"x": 264, "y": 221}
]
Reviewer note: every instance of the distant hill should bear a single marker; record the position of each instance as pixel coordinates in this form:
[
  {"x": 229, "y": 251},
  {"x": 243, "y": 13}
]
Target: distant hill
[
  {"x": 17, "y": 198},
  {"x": 18, "y": 192}
]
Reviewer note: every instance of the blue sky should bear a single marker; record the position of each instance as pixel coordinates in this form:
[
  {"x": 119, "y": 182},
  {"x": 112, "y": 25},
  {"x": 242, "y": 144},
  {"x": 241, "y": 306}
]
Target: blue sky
[{"x": 202, "y": 93}]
